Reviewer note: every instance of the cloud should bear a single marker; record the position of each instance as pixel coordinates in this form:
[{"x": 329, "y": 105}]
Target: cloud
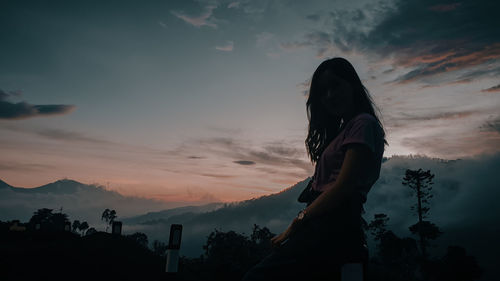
[
  {"x": 162, "y": 24},
  {"x": 491, "y": 125},
  {"x": 25, "y": 167},
  {"x": 304, "y": 87},
  {"x": 269, "y": 43},
  {"x": 7, "y": 94},
  {"x": 492, "y": 89},
  {"x": 71, "y": 137},
  {"x": 23, "y": 110},
  {"x": 253, "y": 8},
  {"x": 438, "y": 115},
  {"x": 195, "y": 157},
  {"x": 264, "y": 38},
  {"x": 244, "y": 162},
  {"x": 419, "y": 37},
  {"x": 313, "y": 17},
  {"x": 219, "y": 176},
  {"x": 455, "y": 145},
  {"x": 204, "y": 19},
  {"x": 277, "y": 155},
  {"x": 228, "y": 47},
  {"x": 235, "y": 4},
  {"x": 65, "y": 135}
]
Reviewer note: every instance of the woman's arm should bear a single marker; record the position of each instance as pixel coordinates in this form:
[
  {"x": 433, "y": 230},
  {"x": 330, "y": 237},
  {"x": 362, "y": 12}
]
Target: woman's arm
[{"x": 356, "y": 162}]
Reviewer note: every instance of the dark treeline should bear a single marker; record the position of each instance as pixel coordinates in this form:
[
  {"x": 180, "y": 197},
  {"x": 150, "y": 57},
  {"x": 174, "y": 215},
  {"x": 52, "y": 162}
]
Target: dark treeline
[{"x": 50, "y": 247}]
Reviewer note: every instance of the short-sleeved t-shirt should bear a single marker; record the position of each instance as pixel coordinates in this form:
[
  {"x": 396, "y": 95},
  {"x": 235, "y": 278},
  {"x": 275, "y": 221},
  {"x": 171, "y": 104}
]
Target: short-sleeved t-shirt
[{"x": 363, "y": 129}]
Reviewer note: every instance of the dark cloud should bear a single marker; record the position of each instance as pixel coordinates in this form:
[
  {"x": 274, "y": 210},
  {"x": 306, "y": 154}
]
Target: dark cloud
[
  {"x": 195, "y": 157},
  {"x": 219, "y": 176},
  {"x": 492, "y": 89},
  {"x": 282, "y": 149},
  {"x": 457, "y": 145},
  {"x": 313, "y": 17},
  {"x": 274, "y": 153},
  {"x": 25, "y": 167},
  {"x": 23, "y": 110},
  {"x": 304, "y": 87},
  {"x": 7, "y": 94},
  {"x": 492, "y": 125},
  {"x": 286, "y": 158},
  {"x": 428, "y": 38},
  {"x": 438, "y": 115},
  {"x": 244, "y": 162},
  {"x": 65, "y": 135}
]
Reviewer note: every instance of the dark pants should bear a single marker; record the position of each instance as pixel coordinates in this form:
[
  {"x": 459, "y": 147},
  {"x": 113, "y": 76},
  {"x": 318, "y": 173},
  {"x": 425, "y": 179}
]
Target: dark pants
[{"x": 317, "y": 251}]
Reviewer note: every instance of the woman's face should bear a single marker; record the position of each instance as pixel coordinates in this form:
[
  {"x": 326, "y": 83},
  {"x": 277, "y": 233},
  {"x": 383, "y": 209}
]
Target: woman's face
[{"x": 336, "y": 94}]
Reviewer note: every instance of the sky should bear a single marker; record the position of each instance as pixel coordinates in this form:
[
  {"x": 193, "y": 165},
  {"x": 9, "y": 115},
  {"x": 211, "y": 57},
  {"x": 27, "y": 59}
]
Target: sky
[{"x": 204, "y": 101}]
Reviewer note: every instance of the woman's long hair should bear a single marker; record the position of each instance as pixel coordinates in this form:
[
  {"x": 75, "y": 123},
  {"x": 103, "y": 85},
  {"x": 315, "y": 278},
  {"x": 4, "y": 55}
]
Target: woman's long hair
[{"x": 323, "y": 127}]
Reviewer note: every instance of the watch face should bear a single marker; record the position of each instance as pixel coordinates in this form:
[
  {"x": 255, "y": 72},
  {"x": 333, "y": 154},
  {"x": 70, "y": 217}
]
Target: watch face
[{"x": 301, "y": 215}]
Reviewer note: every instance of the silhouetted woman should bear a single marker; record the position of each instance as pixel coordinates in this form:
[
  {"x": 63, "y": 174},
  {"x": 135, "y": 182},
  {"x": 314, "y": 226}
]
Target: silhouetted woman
[{"x": 346, "y": 143}]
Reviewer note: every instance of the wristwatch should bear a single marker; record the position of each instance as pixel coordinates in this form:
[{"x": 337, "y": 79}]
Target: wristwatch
[{"x": 301, "y": 215}]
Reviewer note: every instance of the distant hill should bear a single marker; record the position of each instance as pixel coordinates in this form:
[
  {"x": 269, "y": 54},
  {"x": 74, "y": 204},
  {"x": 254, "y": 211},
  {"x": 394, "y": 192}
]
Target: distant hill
[
  {"x": 165, "y": 214},
  {"x": 274, "y": 211},
  {"x": 4, "y": 185},
  {"x": 78, "y": 200},
  {"x": 464, "y": 206},
  {"x": 64, "y": 186}
]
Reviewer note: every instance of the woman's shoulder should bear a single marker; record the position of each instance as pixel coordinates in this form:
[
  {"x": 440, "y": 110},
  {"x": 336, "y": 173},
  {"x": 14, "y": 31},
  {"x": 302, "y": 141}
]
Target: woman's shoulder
[
  {"x": 365, "y": 116},
  {"x": 364, "y": 122}
]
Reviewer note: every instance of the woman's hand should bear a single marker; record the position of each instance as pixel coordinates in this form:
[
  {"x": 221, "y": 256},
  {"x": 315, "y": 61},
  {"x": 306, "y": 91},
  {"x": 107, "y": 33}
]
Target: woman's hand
[{"x": 278, "y": 239}]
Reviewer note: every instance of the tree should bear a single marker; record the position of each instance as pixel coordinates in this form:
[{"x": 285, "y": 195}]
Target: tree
[
  {"x": 378, "y": 226},
  {"x": 421, "y": 182},
  {"x": 83, "y": 226},
  {"x": 456, "y": 265},
  {"x": 109, "y": 217},
  {"x": 159, "y": 248},
  {"x": 76, "y": 225},
  {"x": 90, "y": 231},
  {"x": 42, "y": 216},
  {"x": 48, "y": 220},
  {"x": 398, "y": 257},
  {"x": 140, "y": 238},
  {"x": 261, "y": 235},
  {"x": 228, "y": 255}
]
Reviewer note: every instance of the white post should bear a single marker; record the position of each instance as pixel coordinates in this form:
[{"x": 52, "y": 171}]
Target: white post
[
  {"x": 172, "y": 260},
  {"x": 174, "y": 244}
]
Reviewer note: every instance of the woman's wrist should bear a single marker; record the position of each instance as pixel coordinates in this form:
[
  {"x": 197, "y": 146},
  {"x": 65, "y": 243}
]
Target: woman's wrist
[{"x": 302, "y": 216}]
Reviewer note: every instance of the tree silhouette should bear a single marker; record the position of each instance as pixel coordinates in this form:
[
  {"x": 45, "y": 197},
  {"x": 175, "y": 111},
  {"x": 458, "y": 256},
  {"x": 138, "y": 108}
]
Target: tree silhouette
[
  {"x": 42, "y": 216},
  {"x": 378, "y": 226},
  {"x": 48, "y": 220},
  {"x": 90, "y": 231},
  {"x": 398, "y": 257},
  {"x": 109, "y": 217},
  {"x": 421, "y": 182},
  {"x": 159, "y": 248},
  {"x": 228, "y": 255},
  {"x": 456, "y": 265},
  {"x": 76, "y": 225},
  {"x": 83, "y": 226},
  {"x": 261, "y": 235},
  {"x": 140, "y": 238}
]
